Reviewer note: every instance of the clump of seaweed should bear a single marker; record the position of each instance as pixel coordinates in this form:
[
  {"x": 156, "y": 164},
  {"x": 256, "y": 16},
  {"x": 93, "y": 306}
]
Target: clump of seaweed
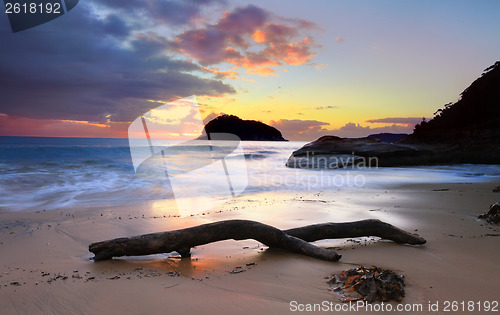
[{"x": 368, "y": 284}]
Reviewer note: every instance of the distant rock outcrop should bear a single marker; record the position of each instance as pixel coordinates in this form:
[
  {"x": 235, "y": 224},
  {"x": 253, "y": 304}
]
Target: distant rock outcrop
[
  {"x": 245, "y": 129},
  {"x": 389, "y": 137}
]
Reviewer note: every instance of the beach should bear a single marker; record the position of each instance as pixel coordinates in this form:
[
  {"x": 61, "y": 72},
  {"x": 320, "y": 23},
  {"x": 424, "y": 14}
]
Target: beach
[
  {"x": 45, "y": 266},
  {"x": 161, "y": 157}
]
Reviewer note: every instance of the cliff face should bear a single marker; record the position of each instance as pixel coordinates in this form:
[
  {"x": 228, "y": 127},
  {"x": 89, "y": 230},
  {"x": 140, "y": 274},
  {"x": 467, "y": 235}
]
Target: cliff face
[
  {"x": 244, "y": 129},
  {"x": 473, "y": 120}
]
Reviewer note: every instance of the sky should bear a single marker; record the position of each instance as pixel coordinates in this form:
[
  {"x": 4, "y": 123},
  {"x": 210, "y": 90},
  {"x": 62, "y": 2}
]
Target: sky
[{"x": 309, "y": 68}]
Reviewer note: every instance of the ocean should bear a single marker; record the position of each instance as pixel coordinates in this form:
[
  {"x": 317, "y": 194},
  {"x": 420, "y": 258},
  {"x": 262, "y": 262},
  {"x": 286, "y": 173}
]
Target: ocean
[{"x": 42, "y": 173}]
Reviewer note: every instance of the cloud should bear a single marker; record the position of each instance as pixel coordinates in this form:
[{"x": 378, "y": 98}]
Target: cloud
[
  {"x": 247, "y": 37},
  {"x": 211, "y": 116},
  {"x": 104, "y": 62},
  {"x": 276, "y": 33},
  {"x": 166, "y": 12},
  {"x": 242, "y": 20},
  {"x": 303, "y": 24},
  {"x": 325, "y": 107},
  {"x": 207, "y": 46},
  {"x": 352, "y": 130},
  {"x": 219, "y": 74},
  {"x": 85, "y": 67},
  {"x": 309, "y": 130},
  {"x": 408, "y": 121},
  {"x": 320, "y": 66},
  {"x": 297, "y": 129},
  {"x": 22, "y": 126}
]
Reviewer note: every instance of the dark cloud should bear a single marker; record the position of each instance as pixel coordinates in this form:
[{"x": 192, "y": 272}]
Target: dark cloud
[
  {"x": 148, "y": 45},
  {"x": 78, "y": 67},
  {"x": 168, "y": 12},
  {"x": 173, "y": 12},
  {"x": 115, "y": 26}
]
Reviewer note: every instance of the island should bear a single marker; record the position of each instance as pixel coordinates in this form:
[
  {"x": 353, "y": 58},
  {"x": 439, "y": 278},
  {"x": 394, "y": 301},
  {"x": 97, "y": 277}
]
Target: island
[{"x": 246, "y": 130}]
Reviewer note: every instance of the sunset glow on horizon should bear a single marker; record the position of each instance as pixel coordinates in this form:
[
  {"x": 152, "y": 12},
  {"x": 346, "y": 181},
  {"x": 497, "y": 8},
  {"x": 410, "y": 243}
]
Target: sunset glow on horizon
[{"x": 345, "y": 68}]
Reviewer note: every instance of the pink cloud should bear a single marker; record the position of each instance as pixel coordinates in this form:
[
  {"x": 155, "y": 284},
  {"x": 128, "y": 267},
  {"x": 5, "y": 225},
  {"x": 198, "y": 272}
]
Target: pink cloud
[
  {"x": 207, "y": 46},
  {"x": 278, "y": 33},
  {"x": 297, "y": 129},
  {"x": 247, "y": 37},
  {"x": 243, "y": 20},
  {"x": 220, "y": 74},
  {"x": 292, "y": 53}
]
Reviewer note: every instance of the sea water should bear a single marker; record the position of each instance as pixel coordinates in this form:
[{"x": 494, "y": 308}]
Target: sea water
[{"x": 41, "y": 173}]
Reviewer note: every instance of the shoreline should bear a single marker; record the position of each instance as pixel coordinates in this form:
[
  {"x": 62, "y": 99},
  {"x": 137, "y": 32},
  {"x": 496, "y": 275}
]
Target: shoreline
[{"x": 458, "y": 262}]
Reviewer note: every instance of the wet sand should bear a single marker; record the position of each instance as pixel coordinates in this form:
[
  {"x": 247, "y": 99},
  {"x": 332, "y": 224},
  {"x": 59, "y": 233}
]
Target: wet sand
[{"x": 45, "y": 265}]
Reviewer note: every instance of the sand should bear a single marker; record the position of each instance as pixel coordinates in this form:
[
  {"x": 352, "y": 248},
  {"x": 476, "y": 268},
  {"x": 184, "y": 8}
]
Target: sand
[{"x": 45, "y": 265}]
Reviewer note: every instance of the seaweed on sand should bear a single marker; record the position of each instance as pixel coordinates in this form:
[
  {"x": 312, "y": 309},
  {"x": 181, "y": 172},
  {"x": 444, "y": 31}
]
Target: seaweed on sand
[{"x": 368, "y": 284}]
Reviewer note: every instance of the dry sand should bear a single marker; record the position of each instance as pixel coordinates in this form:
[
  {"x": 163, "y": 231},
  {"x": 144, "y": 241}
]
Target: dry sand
[{"x": 45, "y": 265}]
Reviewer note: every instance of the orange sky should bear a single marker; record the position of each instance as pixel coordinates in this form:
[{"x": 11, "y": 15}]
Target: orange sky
[{"x": 308, "y": 69}]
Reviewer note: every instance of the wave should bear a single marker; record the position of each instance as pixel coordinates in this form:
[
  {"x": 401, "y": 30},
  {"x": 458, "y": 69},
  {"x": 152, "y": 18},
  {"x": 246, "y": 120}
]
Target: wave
[{"x": 55, "y": 173}]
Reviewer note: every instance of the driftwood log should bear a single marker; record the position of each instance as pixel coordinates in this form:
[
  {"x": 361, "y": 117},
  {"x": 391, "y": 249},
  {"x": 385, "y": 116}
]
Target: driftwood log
[{"x": 295, "y": 240}]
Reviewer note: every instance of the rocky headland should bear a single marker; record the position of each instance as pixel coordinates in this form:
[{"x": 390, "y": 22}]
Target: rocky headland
[{"x": 467, "y": 131}]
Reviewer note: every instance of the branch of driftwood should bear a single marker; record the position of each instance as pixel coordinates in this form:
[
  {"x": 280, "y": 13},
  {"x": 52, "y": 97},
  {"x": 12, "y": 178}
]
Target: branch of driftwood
[{"x": 295, "y": 240}]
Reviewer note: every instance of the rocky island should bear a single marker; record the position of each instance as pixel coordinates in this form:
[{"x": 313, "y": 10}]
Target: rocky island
[{"x": 246, "y": 130}]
